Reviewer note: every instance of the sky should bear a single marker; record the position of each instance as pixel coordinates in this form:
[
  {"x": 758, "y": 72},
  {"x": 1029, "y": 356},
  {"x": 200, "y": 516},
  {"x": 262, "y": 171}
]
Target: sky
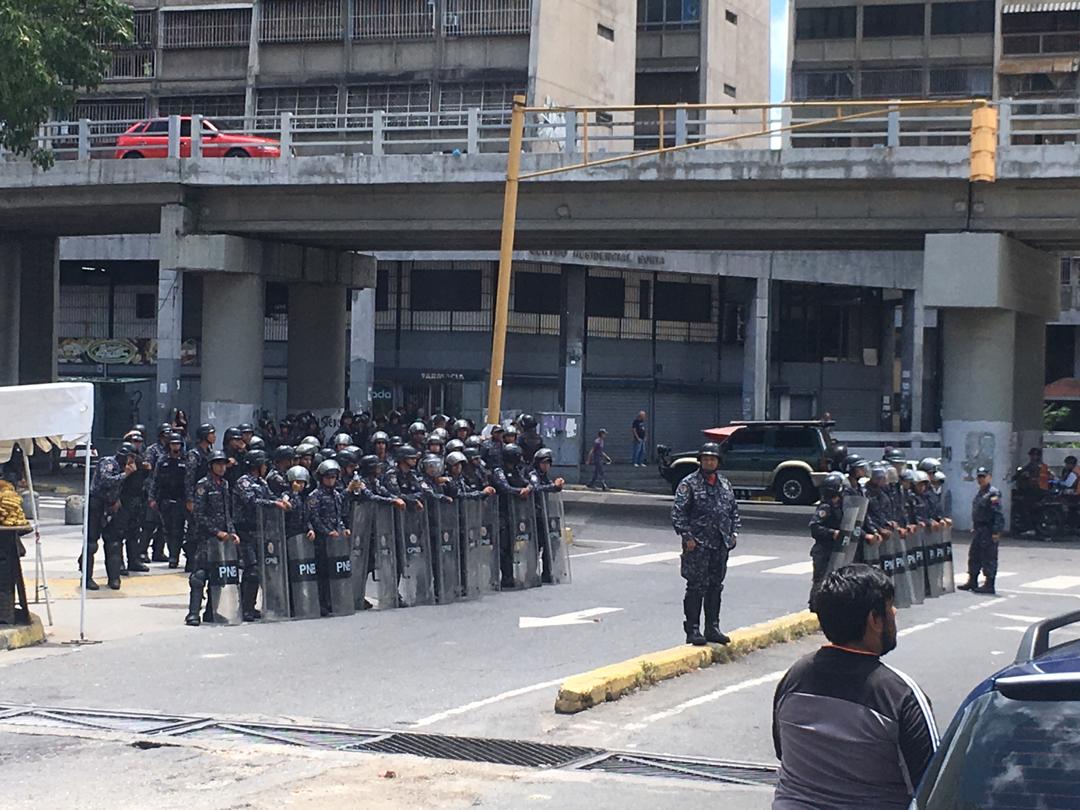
[{"x": 778, "y": 27}]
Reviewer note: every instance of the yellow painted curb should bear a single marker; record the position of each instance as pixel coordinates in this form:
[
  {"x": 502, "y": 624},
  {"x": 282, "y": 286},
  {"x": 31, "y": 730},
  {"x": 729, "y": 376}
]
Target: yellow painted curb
[
  {"x": 22, "y": 635},
  {"x": 589, "y": 689},
  {"x": 156, "y": 585}
]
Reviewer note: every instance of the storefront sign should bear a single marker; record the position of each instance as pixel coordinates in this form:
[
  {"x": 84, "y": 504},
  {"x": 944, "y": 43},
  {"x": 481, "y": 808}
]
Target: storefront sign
[{"x": 120, "y": 351}]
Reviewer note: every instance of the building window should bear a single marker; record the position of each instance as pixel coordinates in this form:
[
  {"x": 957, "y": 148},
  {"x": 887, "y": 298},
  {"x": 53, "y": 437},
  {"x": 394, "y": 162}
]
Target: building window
[
  {"x": 1040, "y": 32},
  {"x": 729, "y": 90},
  {"x": 221, "y": 106},
  {"x": 302, "y": 101},
  {"x": 899, "y": 83},
  {"x": 645, "y": 300},
  {"x": 655, "y": 15},
  {"x": 110, "y": 116},
  {"x": 962, "y": 18},
  {"x": 970, "y": 81},
  {"x": 471, "y": 18},
  {"x": 300, "y": 21},
  {"x": 206, "y": 28},
  {"x": 135, "y": 59},
  {"x": 731, "y": 17},
  {"x": 822, "y": 85},
  {"x": 605, "y": 32},
  {"x": 393, "y": 19},
  {"x": 676, "y": 301},
  {"x": 605, "y": 297},
  {"x": 734, "y": 325},
  {"x": 145, "y": 306},
  {"x": 825, "y": 23},
  {"x": 536, "y": 293},
  {"x": 491, "y": 96},
  {"x": 1066, "y": 272},
  {"x": 893, "y": 21},
  {"x": 382, "y": 290},
  {"x": 408, "y": 104},
  {"x": 443, "y": 290},
  {"x": 820, "y": 322}
]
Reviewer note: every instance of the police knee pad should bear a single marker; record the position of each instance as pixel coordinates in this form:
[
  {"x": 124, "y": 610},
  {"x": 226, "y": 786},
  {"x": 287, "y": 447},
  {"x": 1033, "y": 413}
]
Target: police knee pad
[{"x": 197, "y": 579}]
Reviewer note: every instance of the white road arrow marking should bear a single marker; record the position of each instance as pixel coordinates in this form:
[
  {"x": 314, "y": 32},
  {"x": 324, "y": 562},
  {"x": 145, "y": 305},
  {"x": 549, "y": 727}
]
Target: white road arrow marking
[{"x": 577, "y": 617}]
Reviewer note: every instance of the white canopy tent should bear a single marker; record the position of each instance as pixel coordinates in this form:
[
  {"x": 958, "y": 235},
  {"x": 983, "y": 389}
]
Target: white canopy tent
[{"x": 58, "y": 413}]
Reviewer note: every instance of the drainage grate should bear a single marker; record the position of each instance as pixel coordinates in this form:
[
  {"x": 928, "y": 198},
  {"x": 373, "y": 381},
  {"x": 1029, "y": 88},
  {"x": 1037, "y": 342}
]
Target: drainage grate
[
  {"x": 473, "y": 749},
  {"x": 687, "y": 768},
  {"x": 522, "y": 753}
]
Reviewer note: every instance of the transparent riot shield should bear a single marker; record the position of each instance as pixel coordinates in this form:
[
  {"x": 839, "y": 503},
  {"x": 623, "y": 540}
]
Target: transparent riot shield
[
  {"x": 948, "y": 575},
  {"x": 843, "y": 552},
  {"x": 523, "y": 547},
  {"x": 339, "y": 560},
  {"x": 901, "y": 572},
  {"x": 489, "y": 577},
  {"x": 389, "y": 551},
  {"x": 887, "y": 558},
  {"x": 363, "y": 527},
  {"x": 416, "y": 582},
  {"x": 303, "y": 577},
  {"x": 935, "y": 560},
  {"x": 273, "y": 570},
  {"x": 223, "y": 603},
  {"x": 444, "y": 521},
  {"x": 471, "y": 514},
  {"x": 917, "y": 563},
  {"x": 556, "y": 554}
]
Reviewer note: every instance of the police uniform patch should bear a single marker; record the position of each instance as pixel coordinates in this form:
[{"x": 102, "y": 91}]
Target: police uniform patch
[
  {"x": 200, "y": 491},
  {"x": 823, "y": 512}
]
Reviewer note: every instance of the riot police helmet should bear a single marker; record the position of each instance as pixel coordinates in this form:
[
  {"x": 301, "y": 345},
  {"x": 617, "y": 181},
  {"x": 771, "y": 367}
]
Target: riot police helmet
[
  {"x": 204, "y": 431},
  {"x": 417, "y": 427},
  {"x": 328, "y": 453},
  {"x": 328, "y": 468},
  {"x": 474, "y": 441},
  {"x": 370, "y": 465},
  {"x": 527, "y": 421},
  {"x": 495, "y": 429},
  {"x": 878, "y": 472},
  {"x": 509, "y": 428},
  {"x": 380, "y": 436},
  {"x": 442, "y": 434},
  {"x": 433, "y": 464},
  {"x": 839, "y": 452},
  {"x": 461, "y": 424},
  {"x": 246, "y": 427},
  {"x": 305, "y": 449},
  {"x": 233, "y": 433},
  {"x": 352, "y": 448},
  {"x": 455, "y": 446},
  {"x": 833, "y": 484},
  {"x": 907, "y": 475},
  {"x": 920, "y": 477},
  {"x": 511, "y": 456},
  {"x": 174, "y": 438},
  {"x": 133, "y": 436},
  {"x": 439, "y": 419},
  {"x": 939, "y": 477},
  {"x": 139, "y": 427},
  {"x": 456, "y": 457},
  {"x": 256, "y": 443},
  {"x": 218, "y": 456},
  {"x": 298, "y": 473},
  {"x": 406, "y": 452},
  {"x": 126, "y": 449},
  {"x": 851, "y": 461},
  {"x": 164, "y": 429},
  {"x": 709, "y": 449},
  {"x": 284, "y": 453},
  {"x": 311, "y": 440},
  {"x": 930, "y": 464},
  {"x": 342, "y": 438},
  {"x": 396, "y": 442},
  {"x": 346, "y": 457},
  {"x": 543, "y": 454},
  {"x": 255, "y": 459},
  {"x": 894, "y": 456},
  {"x": 471, "y": 453}
]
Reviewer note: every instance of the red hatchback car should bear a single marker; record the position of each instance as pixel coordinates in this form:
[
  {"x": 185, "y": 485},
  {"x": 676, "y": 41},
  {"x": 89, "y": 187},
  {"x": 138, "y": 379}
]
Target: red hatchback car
[{"x": 150, "y": 139}]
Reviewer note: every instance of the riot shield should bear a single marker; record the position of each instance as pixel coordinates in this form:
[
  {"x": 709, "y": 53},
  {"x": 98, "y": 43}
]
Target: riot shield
[
  {"x": 843, "y": 552},
  {"x": 901, "y": 572},
  {"x": 303, "y": 577},
  {"x": 935, "y": 560},
  {"x": 363, "y": 526},
  {"x": 489, "y": 577},
  {"x": 273, "y": 571},
  {"x": 872, "y": 553},
  {"x": 523, "y": 548},
  {"x": 339, "y": 558},
  {"x": 887, "y": 559},
  {"x": 444, "y": 521},
  {"x": 388, "y": 554},
  {"x": 223, "y": 603},
  {"x": 416, "y": 582},
  {"x": 556, "y": 554},
  {"x": 948, "y": 576},
  {"x": 917, "y": 563},
  {"x": 471, "y": 514}
]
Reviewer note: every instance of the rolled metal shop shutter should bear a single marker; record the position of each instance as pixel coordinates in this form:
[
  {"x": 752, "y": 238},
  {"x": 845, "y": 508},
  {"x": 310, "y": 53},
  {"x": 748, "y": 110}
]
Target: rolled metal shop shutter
[
  {"x": 680, "y": 417},
  {"x": 615, "y": 410}
]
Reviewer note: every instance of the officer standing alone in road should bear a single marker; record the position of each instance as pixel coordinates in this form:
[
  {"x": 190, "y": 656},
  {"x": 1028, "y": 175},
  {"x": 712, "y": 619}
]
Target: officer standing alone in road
[
  {"x": 706, "y": 516},
  {"x": 987, "y": 523}
]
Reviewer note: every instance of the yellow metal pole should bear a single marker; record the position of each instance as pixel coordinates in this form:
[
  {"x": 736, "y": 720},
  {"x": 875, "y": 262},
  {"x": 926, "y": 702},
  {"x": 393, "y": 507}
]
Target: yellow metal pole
[{"x": 506, "y": 256}]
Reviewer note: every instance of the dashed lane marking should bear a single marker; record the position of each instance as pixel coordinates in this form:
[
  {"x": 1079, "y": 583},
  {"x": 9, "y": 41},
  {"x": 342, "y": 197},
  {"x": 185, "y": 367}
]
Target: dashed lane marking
[
  {"x": 623, "y": 547},
  {"x": 742, "y": 686},
  {"x": 796, "y": 569},
  {"x": 645, "y": 559},
  {"x": 747, "y": 559},
  {"x": 1058, "y": 583}
]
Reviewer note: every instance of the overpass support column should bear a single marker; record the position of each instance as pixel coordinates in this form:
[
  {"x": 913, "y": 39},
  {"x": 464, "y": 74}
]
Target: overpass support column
[
  {"x": 29, "y": 298},
  {"x": 316, "y": 352},
  {"x": 572, "y": 339},
  {"x": 755, "y": 387},
  {"x": 233, "y": 330},
  {"x": 911, "y": 373},
  {"x": 994, "y": 297},
  {"x": 362, "y": 349},
  {"x": 175, "y": 222}
]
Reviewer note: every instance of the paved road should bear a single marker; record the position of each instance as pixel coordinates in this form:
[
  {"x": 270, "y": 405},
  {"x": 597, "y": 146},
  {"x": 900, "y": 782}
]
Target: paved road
[{"x": 472, "y": 669}]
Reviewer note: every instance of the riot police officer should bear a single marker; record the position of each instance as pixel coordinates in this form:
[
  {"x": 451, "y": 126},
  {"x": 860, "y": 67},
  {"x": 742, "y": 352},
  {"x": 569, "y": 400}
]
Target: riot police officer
[
  {"x": 529, "y": 440},
  {"x": 879, "y": 511},
  {"x": 131, "y": 515},
  {"x": 109, "y": 476},
  {"x": 987, "y": 523},
  {"x": 153, "y": 532},
  {"x": 404, "y": 482},
  {"x": 371, "y": 486},
  {"x": 510, "y": 482},
  {"x": 541, "y": 481},
  {"x": 461, "y": 429},
  {"x": 474, "y": 470},
  {"x": 380, "y": 445},
  {"x": 296, "y": 517},
  {"x": 283, "y": 458},
  {"x": 706, "y": 517},
  {"x": 167, "y": 496},
  {"x": 825, "y": 526},
  {"x": 197, "y": 467},
  {"x": 251, "y": 493},
  {"x": 213, "y": 522},
  {"x": 464, "y": 486},
  {"x": 418, "y": 435},
  {"x": 234, "y": 448},
  {"x": 326, "y": 511},
  {"x": 490, "y": 447}
]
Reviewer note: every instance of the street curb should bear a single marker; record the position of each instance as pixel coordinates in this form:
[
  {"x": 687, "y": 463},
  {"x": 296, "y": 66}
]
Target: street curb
[
  {"x": 173, "y": 584},
  {"x": 23, "y": 635},
  {"x": 589, "y": 689}
]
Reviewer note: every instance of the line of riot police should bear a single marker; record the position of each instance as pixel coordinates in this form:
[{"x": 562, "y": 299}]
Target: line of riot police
[{"x": 888, "y": 515}]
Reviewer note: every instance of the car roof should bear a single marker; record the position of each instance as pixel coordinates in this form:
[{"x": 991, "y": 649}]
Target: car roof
[{"x": 815, "y": 423}]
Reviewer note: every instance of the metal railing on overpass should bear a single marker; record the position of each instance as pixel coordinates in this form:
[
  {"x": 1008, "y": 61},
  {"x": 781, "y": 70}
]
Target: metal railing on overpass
[{"x": 594, "y": 133}]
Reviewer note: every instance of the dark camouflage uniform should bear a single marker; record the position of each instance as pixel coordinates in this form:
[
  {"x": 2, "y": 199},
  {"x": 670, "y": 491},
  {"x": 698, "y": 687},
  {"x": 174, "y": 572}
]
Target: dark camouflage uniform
[
  {"x": 879, "y": 511},
  {"x": 213, "y": 513},
  {"x": 406, "y": 484},
  {"x": 706, "y": 512},
  {"x": 167, "y": 490},
  {"x": 296, "y": 518},
  {"x": 987, "y": 519},
  {"x": 251, "y": 494},
  {"x": 278, "y": 483},
  {"x": 104, "y": 494},
  {"x": 326, "y": 513},
  {"x": 827, "y": 519},
  {"x": 507, "y": 483}
]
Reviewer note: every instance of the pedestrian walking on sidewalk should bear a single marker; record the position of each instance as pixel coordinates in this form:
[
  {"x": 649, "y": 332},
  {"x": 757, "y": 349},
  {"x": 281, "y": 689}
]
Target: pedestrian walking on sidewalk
[
  {"x": 638, "y": 432},
  {"x": 598, "y": 458}
]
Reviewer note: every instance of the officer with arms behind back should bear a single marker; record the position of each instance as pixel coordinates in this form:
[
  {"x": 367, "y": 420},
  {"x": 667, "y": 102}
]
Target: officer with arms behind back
[
  {"x": 706, "y": 516},
  {"x": 987, "y": 523}
]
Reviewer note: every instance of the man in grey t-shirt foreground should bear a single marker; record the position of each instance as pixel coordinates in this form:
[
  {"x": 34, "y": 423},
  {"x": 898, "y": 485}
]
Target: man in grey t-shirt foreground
[{"x": 851, "y": 732}]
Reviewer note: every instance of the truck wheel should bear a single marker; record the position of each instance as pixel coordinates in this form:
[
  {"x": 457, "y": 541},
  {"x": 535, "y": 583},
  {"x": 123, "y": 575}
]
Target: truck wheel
[{"x": 794, "y": 488}]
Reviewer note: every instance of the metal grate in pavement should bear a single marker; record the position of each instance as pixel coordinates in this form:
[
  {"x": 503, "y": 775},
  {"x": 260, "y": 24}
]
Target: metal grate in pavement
[
  {"x": 472, "y": 749},
  {"x": 686, "y": 768},
  {"x": 306, "y": 736},
  {"x": 86, "y": 719}
]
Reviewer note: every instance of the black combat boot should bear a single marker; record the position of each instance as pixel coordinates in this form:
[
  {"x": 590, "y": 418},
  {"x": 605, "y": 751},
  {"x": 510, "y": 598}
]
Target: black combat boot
[
  {"x": 692, "y": 614},
  {"x": 88, "y": 573},
  {"x": 971, "y": 585},
  {"x": 194, "y": 603},
  {"x": 713, "y": 633},
  {"x": 987, "y": 587},
  {"x": 249, "y": 592}
]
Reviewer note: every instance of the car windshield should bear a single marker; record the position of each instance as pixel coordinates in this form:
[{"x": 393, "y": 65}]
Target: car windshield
[{"x": 1008, "y": 753}]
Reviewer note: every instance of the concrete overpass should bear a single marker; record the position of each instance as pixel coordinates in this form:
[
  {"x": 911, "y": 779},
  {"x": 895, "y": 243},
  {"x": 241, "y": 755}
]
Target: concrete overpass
[{"x": 883, "y": 198}]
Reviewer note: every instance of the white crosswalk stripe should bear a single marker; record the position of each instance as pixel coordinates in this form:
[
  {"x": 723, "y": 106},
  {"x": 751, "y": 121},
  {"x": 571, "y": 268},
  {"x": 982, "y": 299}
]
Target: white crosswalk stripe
[
  {"x": 962, "y": 578},
  {"x": 1058, "y": 583},
  {"x": 794, "y": 569},
  {"x": 746, "y": 559},
  {"x": 645, "y": 559}
]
